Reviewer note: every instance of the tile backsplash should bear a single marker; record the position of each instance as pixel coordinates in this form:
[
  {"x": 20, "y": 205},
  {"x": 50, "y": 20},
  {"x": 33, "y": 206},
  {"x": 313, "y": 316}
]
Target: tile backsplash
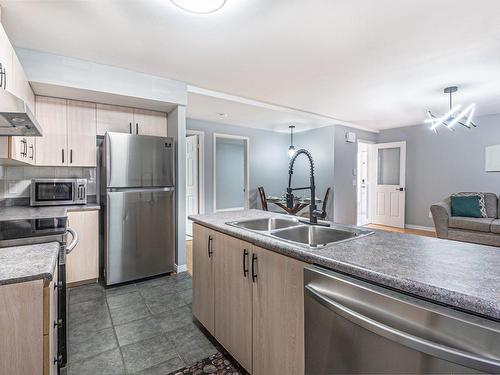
[{"x": 15, "y": 180}]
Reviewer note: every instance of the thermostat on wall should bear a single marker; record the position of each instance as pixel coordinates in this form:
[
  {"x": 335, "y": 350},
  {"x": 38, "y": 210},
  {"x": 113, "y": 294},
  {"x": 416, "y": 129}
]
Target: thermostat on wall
[{"x": 350, "y": 137}]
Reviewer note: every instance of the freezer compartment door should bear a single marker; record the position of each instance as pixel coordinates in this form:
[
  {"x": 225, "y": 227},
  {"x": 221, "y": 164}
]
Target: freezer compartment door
[
  {"x": 139, "y": 161},
  {"x": 140, "y": 234}
]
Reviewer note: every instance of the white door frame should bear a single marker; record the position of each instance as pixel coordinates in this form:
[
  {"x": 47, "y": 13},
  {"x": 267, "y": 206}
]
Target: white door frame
[
  {"x": 246, "y": 199},
  {"x": 201, "y": 168},
  {"x": 400, "y": 221},
  {"x": 368, "y": 181}
]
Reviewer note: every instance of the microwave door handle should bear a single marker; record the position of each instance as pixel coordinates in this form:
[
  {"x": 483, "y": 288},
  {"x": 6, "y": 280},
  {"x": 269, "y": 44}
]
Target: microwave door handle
[{"x": 418, "y": 343}]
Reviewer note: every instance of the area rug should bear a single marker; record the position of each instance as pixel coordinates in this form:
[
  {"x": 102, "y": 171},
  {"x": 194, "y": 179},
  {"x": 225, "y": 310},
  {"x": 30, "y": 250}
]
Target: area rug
[{"x": 216, "y": 364}]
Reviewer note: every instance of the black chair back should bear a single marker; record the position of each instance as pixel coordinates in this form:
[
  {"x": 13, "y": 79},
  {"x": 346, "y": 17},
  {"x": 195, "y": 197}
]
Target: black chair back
[{"x": 263, "y": 201}]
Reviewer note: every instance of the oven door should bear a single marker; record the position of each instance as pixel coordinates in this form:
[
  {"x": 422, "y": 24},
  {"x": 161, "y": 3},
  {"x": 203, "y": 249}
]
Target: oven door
[
  {"x": 352, "y": 326},
  {"x": 51, "y": 192}
]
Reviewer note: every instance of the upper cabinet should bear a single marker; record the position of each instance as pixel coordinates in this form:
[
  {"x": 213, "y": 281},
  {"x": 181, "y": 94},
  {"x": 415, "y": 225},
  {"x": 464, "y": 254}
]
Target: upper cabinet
[
  {"x": 12, "y": 76},
  {"x": 150, "y": 122},
  {"x": 69, "y": 128},
  {"x": 81, "y": 133},
  {"x": 112, "y": 118},
  {"x": 6, "y": 53},
  {"x": 51, "y": 149}
]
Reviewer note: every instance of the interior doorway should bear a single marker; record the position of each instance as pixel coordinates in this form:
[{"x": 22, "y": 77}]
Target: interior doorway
[
  {"x": 388, "y": 193},
  {"x": 194, "y": 177},
  {"x": 230, "y": 172},
  {"x": 363, "y": 183}
]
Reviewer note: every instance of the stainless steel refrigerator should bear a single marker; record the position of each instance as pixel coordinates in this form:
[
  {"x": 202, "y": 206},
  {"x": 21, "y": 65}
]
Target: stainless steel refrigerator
[{"x": 138, "y": 206}]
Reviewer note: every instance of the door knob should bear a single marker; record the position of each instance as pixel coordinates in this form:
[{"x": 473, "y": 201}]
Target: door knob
[{"x": 400, "y": 189}]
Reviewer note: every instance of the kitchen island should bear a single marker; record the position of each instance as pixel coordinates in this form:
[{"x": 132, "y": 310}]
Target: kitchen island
[
  {"x": 248, "y": 287},
  {"x": 462, "y": 275}
]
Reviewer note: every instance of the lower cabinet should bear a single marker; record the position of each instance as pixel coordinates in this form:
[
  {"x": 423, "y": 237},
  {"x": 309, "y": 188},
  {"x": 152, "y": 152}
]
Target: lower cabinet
[
  {"x": 278, "y": 314},
  {"x": 233, "y": 297},
  {"x": 28, "y": 323},
  {"x": 82, "y": 264},
  {"x": 251, "y": 300},
  {"x": 203, "y": 276}
]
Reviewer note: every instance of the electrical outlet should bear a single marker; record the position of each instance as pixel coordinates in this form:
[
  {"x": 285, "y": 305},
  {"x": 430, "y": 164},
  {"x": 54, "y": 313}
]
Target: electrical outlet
[{"x": 12, "y": 187}]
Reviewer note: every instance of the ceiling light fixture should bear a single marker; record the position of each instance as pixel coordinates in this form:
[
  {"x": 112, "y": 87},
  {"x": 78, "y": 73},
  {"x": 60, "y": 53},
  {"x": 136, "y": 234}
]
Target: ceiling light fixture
[
  {"x": 448, "y": 120},
  {"x": 291, "y": 149},
  {"x": 199, "y": 6}
]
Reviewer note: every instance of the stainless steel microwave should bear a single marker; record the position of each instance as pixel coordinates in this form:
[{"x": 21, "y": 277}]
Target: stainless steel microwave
[{"x": 58, "y": 191}]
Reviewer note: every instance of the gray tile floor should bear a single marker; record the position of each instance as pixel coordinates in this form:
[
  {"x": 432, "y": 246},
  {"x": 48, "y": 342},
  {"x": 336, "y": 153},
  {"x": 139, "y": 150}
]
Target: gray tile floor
[{"x": 142, "y": 328}]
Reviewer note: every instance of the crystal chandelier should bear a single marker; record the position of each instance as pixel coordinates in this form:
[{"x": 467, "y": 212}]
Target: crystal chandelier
[{"x": 454, "y": 116}]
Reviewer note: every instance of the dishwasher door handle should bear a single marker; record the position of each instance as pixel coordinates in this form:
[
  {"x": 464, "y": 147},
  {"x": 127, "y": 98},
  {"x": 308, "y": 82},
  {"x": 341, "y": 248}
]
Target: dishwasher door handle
[
  {"x": 74, "y": 241},
  {"x": 432, "y": 348}
]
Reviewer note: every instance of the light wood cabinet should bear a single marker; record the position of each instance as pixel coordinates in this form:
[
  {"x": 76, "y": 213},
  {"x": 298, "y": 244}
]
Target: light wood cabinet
[
  {"x": 278, "y": 314},
  {"x": 205, "y": 250},
  {"x": 150, "y": 122},
  {"x": 6, "y": 54},
  {"x": 69, "y": 133},
  {"x": 82, "y": 264},
  {"x": 233, "y": 296},
  {"x": 28, "y": 313},
  {"x": 113, "y": 118},
  {"x": 14, "y": 80},
  {"x": 254, "y": 297},
  {"x": 50, "y": 149},
  {"x": 81, "y": 133}
]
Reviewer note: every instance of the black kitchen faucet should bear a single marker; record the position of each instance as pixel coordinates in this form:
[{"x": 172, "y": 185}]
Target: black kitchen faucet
[{"x": 313, "y": 212}]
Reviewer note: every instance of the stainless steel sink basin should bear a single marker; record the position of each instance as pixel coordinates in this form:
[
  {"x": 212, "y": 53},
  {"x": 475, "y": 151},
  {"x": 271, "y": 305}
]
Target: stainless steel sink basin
[
  {"x": 316, "y": 236},
  {"x": 265, "y": 224}
]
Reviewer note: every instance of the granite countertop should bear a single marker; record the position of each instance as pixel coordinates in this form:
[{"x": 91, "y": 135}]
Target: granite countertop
[
  {"x": 26, "y": 263},
  {"x": 28, "y": 212},
  {"x": 461, "y": 275}
]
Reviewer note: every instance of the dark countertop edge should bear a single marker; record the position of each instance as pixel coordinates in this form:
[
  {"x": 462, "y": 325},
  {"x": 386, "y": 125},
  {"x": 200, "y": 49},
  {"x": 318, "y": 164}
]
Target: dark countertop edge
[
  {"x": 464, "y": 303},
  {"x": 42, "y": 276}
]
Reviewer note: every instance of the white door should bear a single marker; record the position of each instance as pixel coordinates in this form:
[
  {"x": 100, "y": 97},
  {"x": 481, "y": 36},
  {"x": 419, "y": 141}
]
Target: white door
[
  {"x": 192, "y": 205},
  {"x": 362, "y": 184},
  {"x": 388, "y": 192}
]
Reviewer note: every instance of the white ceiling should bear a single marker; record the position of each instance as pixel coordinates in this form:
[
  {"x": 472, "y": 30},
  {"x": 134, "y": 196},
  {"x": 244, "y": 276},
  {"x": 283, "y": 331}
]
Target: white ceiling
[{"x": 378, "y": 64}]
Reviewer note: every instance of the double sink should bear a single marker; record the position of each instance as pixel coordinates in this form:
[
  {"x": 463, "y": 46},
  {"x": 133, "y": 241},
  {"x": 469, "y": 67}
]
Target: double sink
[{"x": 294, "y": 231}]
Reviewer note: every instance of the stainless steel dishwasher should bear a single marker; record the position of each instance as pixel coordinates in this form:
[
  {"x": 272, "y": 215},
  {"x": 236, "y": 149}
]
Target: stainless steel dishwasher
[{"x": 352, "y": 326}]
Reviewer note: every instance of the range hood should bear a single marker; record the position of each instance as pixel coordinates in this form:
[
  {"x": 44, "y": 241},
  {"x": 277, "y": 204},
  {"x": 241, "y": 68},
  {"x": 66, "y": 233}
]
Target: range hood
[{"x": 15, "y": 116}]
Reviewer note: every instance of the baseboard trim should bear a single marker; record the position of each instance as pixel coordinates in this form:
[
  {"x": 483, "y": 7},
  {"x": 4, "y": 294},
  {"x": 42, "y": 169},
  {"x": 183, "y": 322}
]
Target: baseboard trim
[
  {"x": 181, "y": 268},
  {"x": 420, "y": 227}
]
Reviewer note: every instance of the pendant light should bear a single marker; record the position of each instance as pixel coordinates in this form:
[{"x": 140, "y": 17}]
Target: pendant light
[
  {"x": 291, "y": 149},
  {"x": 199, "y": 6},
  {"x": 454, "y": 116}
]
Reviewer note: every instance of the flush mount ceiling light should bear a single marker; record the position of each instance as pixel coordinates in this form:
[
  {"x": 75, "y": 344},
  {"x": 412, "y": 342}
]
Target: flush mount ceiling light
[
  {"x": 291, "y": 149},
  {"x": 199, "y": 6},
  {"x": 453, "y": 116}
]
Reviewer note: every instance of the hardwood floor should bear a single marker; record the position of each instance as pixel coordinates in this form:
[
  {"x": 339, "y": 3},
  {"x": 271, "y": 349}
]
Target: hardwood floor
[
  {"x": 402, "y": 230},
  {"x": 189, "y": 256}
]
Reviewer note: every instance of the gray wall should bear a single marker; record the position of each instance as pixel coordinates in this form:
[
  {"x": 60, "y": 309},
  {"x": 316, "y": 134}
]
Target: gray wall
[
  {"x": 345, "y": 210},
  {"x": 320, "y": 143},
  {"x": 440, "y": 164},
  {"x": 230, "y": 174},
  {"x": 268, "y": 159}
]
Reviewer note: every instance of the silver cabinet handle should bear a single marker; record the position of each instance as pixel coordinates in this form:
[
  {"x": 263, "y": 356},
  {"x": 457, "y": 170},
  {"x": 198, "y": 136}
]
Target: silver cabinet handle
[
  {"x": 74, "y": 241},
  {"x": 136, "y": 128},
  {"x": 3, "y": 77},
  {"x": 432, "y": 348}
]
